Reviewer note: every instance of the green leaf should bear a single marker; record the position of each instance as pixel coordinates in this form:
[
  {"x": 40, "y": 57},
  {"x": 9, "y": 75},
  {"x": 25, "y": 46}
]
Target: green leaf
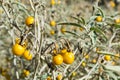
[
  {"x": 73, "y": 24},
  {"x": 98, "y": 30},
  {"x": 107, "y": 53},
  {"x": 76, "y": 19},
  {"x": 81, "y": 20},
  {"x": 112, "y": 68},
  {"x": 93, "y": 38},
  {"x": 102, "y": 14},
  {"x": 43, "y": 77},
  {"x": 100, "y": 78},
  {"x": 72, "y": 33},
  {"x": 112, "y": 75},
  {"x": 117, "y": 25}
]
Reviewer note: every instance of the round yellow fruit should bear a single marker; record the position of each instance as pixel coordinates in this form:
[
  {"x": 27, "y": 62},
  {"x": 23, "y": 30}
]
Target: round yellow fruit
[
  {"x": 107, "y": 57},
  {"x": 112, "y": 4},
  {"x": 18, "y": 50},
  {"x": 52, "y": 2},
  {"x": 68, "y": 58},
  {"x": 63, "y": 30},
  {"x": 73, "y": 74},
  {"x": 63, "y": 51},
  {"x": 29, "y": 21},
  {"x": 98, "y": 18},
  {"x": 59, "y": 77},
  {"x": 117, "y": 21},
  {"x": 57, "y": 59},
  {"x": 52, "y": 32},
  {"x": 52, "y": 23},
  {"x": 87, "y": 56},
  {"x": 94, "y": 61},
  {"x": 49, "y": 78},
  {"x": 27, "y": 55},
  {"x": 83, "y": 64},
  {"x": 81, "y": 29},
  {"x": 26, "y": 72}
]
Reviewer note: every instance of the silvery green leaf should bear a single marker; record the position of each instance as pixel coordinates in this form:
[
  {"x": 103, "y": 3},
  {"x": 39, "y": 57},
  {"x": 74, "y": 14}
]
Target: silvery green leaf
[
  {"x": 71, "y": 23},
  {"x": 100, "y": 78},
  {"x": 43, "y": 77},
  {"x": 112, "y": 75},
  {"x": 93, "y": 38},
  {"x": 112, "y": 68},
  {"x": 101, "y": 11},
  {"x": 96, "y": 29}
]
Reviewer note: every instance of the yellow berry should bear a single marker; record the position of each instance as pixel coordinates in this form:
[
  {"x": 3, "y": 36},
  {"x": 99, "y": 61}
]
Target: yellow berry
[
  {"x": 113, "y": 63},
  {"x": 57, "y": 59},
  {"x": 98, "y": 18},
  {"x": 117, "y": 21},
  {"x": 87, "y": 56},
  {"x": 68, "y": 58},
  {"x": 94, "y": 61},
  {"x": 49, "y": 78},
  {"x": 73, "y": 74},
  {"x": 117, "y": 56},
  {"x": 52, "y": 23},
  {"x": 18, "y": 50},
  {"x": 63, "y": 30},
  {"x": 81, "y": 29},
  {"x": 52, "y": 2},
  {"x": 112, "y": 4},
  {"x": 63, "y": 51},
  {"x": 83, "y": 64},
  {"x": 27, "y": 55},
  {"x": 59, "y": 2},
  {"x": 107, "y": 57},
  {"x": 29, "y": 20},
  {"x": 59, "y": 77},
  {"x": 26, "y": 72},
  {"x": 52, "y": 32}
]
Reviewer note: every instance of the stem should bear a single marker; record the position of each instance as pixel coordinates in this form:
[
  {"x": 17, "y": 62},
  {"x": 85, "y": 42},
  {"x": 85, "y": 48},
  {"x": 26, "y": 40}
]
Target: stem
[
  {"x": 91, "y": 70},
  {"x": 31, "y": 3}
]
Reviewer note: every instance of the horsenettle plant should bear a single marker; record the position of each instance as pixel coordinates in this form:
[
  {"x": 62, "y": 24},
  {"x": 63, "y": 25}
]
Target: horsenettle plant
[{"x": 47, "y": 41}]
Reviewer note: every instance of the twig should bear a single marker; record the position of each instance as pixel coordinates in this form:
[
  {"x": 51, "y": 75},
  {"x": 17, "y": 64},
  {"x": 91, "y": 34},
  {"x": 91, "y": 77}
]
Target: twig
[
  {"x": 31, "y": 3},
  {"x": 9, "y": 17},
  {"x": 91, "y": 70},
  {"x": 110, "y": 41},
  {"x": 42, "y": 69},
  {"x": 115, "y": 44},
  {"x": 77, "y": 66}
]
